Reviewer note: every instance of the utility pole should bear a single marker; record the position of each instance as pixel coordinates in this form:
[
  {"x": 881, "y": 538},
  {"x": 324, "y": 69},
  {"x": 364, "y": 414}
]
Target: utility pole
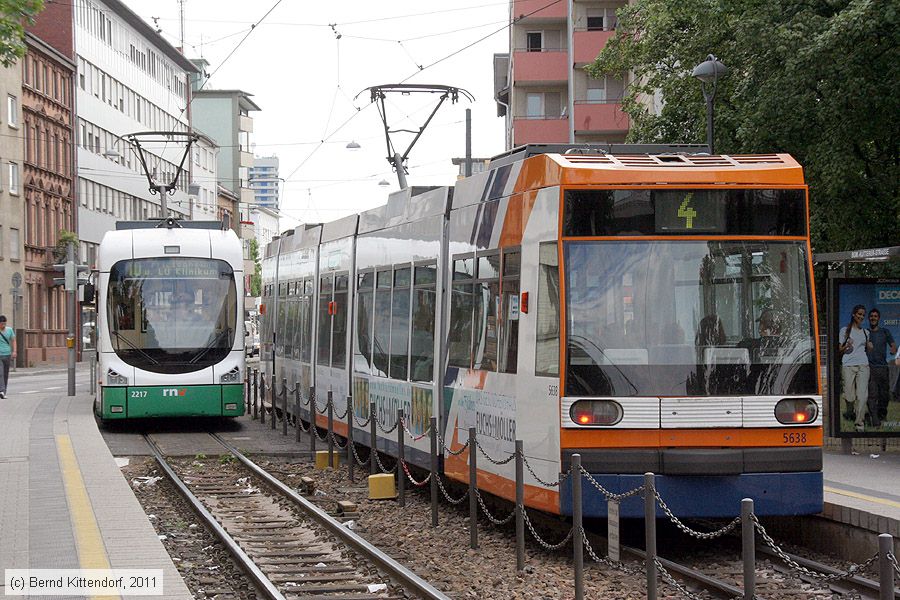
[
  {"x": 468, "y": 171},
  {"x": 71, "y": 287}
]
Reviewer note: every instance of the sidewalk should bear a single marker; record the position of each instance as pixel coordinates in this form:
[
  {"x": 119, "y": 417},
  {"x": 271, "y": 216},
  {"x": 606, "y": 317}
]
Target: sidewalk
[{"x": 47, "y": 369}]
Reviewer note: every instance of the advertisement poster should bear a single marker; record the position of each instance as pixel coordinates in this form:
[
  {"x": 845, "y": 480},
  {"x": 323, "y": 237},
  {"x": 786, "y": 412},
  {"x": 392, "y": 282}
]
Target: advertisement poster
[{"x": 863, "y": 337}]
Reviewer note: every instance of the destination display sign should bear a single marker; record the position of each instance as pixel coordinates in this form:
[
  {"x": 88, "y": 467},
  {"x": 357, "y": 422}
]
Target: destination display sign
[
  {"x": 689, "y": 211},
  {"x": 177, "y": 268}
]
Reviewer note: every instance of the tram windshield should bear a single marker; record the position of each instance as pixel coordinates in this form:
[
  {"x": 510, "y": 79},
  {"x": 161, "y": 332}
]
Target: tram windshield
[
  {"x": 172, "y": 315},
  {"x": 696, "y": 318}
]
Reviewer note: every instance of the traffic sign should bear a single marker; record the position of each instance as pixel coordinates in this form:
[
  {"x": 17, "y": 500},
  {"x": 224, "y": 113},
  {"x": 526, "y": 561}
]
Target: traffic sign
[{"x": 16, "y": 279}]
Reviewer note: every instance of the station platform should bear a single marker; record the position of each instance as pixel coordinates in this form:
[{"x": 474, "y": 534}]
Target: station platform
[
  {"x": 64, "y": 503},
  {"x": 862, "y": 489}
]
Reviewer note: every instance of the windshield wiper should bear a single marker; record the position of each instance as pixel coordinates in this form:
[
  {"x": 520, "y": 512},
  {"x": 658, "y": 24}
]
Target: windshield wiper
[
  {"x": 119, "y": 336},
  {"x": 209, "y": 346}
]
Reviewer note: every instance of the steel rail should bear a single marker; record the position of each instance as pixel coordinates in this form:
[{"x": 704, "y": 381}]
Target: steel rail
[
  {"x": 245, "y": 562},
  {"x": 400, "y": 573},
  {"x": 708, "y": 583},
  {"x": 850, "y": 584}
]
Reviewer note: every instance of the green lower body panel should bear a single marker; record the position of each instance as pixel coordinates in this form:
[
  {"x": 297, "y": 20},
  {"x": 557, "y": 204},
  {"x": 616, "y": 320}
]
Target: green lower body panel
[{"x": 172, "y": 401}]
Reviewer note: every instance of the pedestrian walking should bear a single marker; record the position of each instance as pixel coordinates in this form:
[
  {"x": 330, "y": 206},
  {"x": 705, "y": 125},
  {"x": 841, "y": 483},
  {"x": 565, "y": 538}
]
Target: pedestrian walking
[
  {"x": 855, "y": 365},
  {"x": 7, "y": 352},
  {"x": 879, "y": 380}
]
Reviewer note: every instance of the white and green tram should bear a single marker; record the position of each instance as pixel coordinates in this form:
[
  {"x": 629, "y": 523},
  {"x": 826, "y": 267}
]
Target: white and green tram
[{"x": 170, "y": 321}]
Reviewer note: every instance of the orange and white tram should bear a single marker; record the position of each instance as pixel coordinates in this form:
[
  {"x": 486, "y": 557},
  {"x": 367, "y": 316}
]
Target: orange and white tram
[{"x": 652, "y": 311}]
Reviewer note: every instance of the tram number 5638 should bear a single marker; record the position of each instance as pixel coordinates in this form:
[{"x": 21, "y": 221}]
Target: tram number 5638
[
  {"x": 794, "y": 438},
  {"x": 553, "y": 391}
]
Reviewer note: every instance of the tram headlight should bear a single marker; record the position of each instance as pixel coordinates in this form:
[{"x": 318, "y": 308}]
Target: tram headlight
[
  {"x": 596, "y": 412},
  {"x": 796, "y": 411},
  {"x": 113, "y": 378},
  {"x": 232, "y": 376}
]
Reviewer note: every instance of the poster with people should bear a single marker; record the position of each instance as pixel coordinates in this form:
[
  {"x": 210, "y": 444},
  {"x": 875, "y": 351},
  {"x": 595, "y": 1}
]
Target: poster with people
[{"x": 863, "y": 361}]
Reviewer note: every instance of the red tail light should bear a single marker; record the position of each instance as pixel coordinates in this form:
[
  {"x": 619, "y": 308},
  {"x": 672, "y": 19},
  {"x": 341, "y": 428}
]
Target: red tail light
[
  {"x": 791, "y": 411},
  {"x": 596, "y": 412}
]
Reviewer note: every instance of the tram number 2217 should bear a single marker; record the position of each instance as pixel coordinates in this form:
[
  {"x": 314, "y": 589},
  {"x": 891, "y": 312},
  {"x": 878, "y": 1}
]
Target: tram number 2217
[
  {"x": 794, "y": 438},
  {"x": 138, "y": 393}
]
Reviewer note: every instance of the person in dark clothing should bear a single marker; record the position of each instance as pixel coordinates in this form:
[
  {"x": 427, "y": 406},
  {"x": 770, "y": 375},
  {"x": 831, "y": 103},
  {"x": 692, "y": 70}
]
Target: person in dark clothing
[
  {"x": 7, "y": 353},
  {"x": 879, "y": 386}
]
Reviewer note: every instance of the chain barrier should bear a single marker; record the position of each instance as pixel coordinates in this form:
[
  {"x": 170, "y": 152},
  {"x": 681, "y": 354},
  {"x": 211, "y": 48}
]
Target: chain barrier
[
  {"x": 667, "y": 577},
  {"x": 557, "y": 483},
  {"x": 893, "y": 561},
  {"x": 323, "y": 438},
  {"x": 491, "y": 459},
  {"x": 302, "y": 428},
  {"x": 604, "y": 560},
  {"x": 415, "y": 438},
  {"x": 337, "y": 444},
  {"x": 387, "y": 431},
  {"x": 447, "y": 448},
  {"x": 545, "y": 545},
  {"x": 488, "y": 514},
  {"x": 854, "y": 569},
  {"x": 693, "y": 532},
  {"x": 447, "y": 495},
  {"x": 343, "y": 416},
  {"x": 363, "y": 424},
  {"x": 606, "y": 493},
  {"x": 380, "y": 465},
  {"x": 412, "y": 480},
  {"x": 360, "y": 462}
]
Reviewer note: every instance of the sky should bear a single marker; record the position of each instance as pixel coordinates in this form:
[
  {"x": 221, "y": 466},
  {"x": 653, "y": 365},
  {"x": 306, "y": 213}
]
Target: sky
[{"x": 306, "y": 63}]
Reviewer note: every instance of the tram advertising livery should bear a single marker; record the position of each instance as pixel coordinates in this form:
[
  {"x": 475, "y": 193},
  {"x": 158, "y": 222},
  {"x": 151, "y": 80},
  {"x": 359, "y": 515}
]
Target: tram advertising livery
[
  {"x": 169, "y": 329},
  {"x": 647, "y": 308}
]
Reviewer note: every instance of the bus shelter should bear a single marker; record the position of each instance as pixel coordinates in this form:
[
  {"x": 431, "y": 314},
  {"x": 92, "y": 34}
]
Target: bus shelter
[{"x": 863, "y": 391}]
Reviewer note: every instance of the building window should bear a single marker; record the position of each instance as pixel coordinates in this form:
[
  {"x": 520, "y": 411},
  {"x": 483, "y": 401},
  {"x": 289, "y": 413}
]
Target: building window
[
  {"x": 12, "y": 110},
  {"x": 534, "y": 41},
  {"x": 13, "y": 244},
  {"x": 534, "y": 106},
  {"x": 14, "y": 179},
  {"x": 596, "y": 89}
]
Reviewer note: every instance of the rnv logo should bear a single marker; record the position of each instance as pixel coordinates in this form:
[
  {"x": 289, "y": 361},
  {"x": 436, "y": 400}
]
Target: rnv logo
[{"x": 170, "y": 392}]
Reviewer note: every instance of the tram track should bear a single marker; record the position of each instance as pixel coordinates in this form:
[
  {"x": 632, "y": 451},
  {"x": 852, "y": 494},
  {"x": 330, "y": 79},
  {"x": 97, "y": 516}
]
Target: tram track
[{"x": 289, "y": 547}]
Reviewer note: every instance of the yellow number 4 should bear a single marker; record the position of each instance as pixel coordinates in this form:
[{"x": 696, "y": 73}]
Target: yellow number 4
[{"x": 687, "y": 213}]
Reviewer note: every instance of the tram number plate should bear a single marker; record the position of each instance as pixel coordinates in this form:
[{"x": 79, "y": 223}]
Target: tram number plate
[
  {"x": 138, "y": 393},
  {"x": 612, "y": 534},
  {"x": 794, "y": 438}
]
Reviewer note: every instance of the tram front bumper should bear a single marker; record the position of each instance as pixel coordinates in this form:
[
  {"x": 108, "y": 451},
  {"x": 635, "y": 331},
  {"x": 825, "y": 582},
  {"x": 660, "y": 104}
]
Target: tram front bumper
[{"x": 130, "y": 402}]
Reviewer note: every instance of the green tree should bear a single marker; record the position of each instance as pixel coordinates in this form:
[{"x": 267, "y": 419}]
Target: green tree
[
  {"x": 14, "y": 16},
  {"x": 256, "y": 278},
  {"x": 819, "y": 79}
]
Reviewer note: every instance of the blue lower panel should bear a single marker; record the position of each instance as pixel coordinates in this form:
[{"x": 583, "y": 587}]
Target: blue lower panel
[{"x": 700, "y": 496}]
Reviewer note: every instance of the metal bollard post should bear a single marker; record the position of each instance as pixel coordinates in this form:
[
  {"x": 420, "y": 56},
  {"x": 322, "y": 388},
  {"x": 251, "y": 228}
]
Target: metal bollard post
[
  {"x": 885, "y": 568},
  {"x": 748, "y": 548},
  {"x": 578, "y": 532},
  {"x": 284, "y": 411},
  {"x": 262, "y": 399},
  {"x": 434, "y": 471},
  {"x": 520, "y": 507},
  {"x": 297, "y": 413},
  {"x": 473, "y": 486},
  {"x": 330, "y": 431},
  {"x": 312, "y": 421},
  {"x": 373, "y": 439},
  {"x": 650, "y": 533},
  {"x": 350, "y": 458},
  {"x": 93, "y": 372},
  {"x": 247, "y": 391},
  {"x": 401, "y": 476},
  {"x": 255, "y": 393}
]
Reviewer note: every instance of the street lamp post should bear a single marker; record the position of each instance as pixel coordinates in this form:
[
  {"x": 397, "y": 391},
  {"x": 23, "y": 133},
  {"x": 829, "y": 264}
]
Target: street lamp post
[{"x": 708, "y": 72}]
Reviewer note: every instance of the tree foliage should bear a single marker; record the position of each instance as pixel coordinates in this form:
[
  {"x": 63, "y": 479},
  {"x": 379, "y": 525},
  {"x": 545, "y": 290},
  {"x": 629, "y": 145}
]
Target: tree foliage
[
  {"x": 14, "y": 16},
  {"x": 819, "y": 79},
  {"x": 256, "y": 277}
]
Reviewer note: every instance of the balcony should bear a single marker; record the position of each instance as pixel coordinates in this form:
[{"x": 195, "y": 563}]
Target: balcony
[
  {"x": 246, "y": 124},
  {"x": 537, "y": 131},
  {"x": 601, "y": 117},
  {"x": 559, "y": 10},
  {"x": 539, "y": 68},
  {"x": 588, "y": 45}
]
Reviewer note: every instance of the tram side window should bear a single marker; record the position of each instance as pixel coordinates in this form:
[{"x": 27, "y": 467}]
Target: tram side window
[
  {"x": 323, "y": 357},
  {"x": 400, "y": 324},
  {"x": 421, "y": 366},
  {"x": 546, "y": 358},
  {"x": 280, "y": 325},
  {"x": 339, "y": 322},
  {"x": 382, "y": 338},
  {"x": 459, "y": 339},
  {"x": 487, "y": 306},
  {"x": 297, "y": 330},
  {"x": 307, "y": 320},
  {"x": 509, "y": 326},
  {"x": 362, "y": 360}
]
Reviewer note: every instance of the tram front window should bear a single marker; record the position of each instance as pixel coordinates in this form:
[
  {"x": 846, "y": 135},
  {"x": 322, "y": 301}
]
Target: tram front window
[
  {"x": 172, "y": 315},
  {"x": 696, "y": 318}
]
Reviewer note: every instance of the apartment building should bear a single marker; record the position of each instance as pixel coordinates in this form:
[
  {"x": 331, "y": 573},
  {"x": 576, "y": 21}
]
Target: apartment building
[
  {"x": 129, "y": 80},
  {"x": 48, "y": 183},
  {"x": 265, "y": 183},
  {"x": 541, "y": 87},
  {"x": 203, "y": 188}
]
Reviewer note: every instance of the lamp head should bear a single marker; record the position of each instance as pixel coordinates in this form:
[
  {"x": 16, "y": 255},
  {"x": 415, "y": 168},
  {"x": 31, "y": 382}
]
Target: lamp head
[
  {"x": 353, "y": 145},
  {"x": 709, "y": 70}
]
